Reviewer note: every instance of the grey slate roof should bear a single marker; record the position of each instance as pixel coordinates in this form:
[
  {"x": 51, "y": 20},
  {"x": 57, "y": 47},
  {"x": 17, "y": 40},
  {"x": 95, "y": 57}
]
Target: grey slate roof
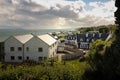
[{"x": 91, "y": 36}]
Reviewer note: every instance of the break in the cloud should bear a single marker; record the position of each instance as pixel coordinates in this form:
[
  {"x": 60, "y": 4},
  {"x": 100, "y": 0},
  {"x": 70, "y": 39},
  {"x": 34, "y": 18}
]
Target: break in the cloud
[{"x": 37, "y": 14}]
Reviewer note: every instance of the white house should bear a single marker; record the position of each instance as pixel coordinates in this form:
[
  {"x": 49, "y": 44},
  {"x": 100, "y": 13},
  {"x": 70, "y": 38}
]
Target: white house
[
  {"x": 71, "y": 40},
  {"x": 29, "y": 47},
  {"x": 14, "y": 48},
  {"x": 40, "y": 47}
]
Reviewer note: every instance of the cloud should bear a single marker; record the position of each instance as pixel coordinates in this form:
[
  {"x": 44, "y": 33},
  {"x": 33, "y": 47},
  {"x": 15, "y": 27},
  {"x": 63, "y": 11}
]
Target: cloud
[
  {"x": 104, "y": 10},
  {"x": 37, "y": 14}
]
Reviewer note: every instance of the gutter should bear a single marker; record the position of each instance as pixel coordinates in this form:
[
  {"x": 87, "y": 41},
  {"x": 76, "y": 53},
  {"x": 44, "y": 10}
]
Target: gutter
[{"x": 23, "y": 52}]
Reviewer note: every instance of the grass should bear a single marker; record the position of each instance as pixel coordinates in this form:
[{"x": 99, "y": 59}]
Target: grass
[{"x": 71, "y": 70}]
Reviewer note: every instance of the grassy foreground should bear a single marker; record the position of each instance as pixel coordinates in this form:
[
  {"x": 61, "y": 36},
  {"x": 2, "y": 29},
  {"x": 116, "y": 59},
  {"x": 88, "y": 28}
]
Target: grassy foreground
[{"x": 71, "y": 70}]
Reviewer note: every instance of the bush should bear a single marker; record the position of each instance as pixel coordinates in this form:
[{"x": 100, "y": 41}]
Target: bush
[{"x": 73, "y": 70}]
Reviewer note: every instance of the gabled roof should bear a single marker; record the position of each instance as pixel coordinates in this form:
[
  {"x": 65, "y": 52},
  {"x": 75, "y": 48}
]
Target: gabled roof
[
  {"x": 47, "y": 39},
  {"x": 91, "y": 36},
  {"x": 23, "y": 38},
  {"x": 81, "y": 36},
  {"x": 71, "y": 37},
  {"x": 104, "y": 36}
]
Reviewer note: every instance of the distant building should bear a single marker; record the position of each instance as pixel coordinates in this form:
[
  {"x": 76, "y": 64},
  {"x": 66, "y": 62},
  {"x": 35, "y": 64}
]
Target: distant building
[
  {"x": 29, "y": 47},
  {"x": 14, "y": 48},
  {"x": 40, "y": 47},
  {"x": 71, "y": 39},
  {"x": 84, "y": 40}
]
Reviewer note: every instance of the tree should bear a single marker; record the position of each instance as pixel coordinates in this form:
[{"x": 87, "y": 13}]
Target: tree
[
  {"x": 107, "y": 65},
  {"x": 103, "y": 30}
]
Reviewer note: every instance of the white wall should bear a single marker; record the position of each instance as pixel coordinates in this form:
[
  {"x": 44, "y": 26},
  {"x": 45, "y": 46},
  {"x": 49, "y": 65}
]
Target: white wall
[
  {"x": 12, "y": 42},
  {"x": 33, "y": 53},
  {"x": 53, "y": 50},
  {"x": 33, "y": 45}
]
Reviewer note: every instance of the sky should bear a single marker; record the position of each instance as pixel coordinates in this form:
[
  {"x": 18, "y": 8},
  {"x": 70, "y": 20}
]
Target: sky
[{"x": 55, "y": 14}]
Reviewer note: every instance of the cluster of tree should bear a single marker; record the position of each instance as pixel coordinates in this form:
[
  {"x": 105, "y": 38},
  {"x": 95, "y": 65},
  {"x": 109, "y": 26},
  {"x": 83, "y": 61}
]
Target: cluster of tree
[
  {"x": 104, "y": 59},
  {"x": 101, "y": 29}
]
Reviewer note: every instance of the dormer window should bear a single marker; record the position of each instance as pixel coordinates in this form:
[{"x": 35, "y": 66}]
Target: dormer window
[
  {"x": 86, "y": 34},
  {"x": 87, "y": 40},
  {"x": 93, "y": 34},
  {"x": 81, "y": 39},
  {"x": 92, "y": 40},
  {"x": 69, "y": 37},
  {"x": 100, "y": 35}
]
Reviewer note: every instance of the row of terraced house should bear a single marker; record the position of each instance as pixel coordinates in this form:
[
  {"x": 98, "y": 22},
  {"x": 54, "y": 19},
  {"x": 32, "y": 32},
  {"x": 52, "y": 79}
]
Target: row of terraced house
[{"x": 84, "y": 40}]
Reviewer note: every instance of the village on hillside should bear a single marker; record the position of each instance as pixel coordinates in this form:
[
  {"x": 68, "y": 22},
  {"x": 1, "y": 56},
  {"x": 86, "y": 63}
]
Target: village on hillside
[{"x": 61, "y": 45}]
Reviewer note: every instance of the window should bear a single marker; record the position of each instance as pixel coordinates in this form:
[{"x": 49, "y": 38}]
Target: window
[
  {"x": 12, "y": 58},
  {"x": 69, "y": 37},
  {"x": 27, "y": 48},
  {"x": 87, "y": 40},
  {"x": 40, "y": 58},
  {"x": 3, "y": 48},
  {"x": 19, "y": 57},
  {"x": 86, "y": 34},
  {"x": 40, "y": 49},
  {"x": 19, "y": 48},
  {"x": 12, "y": 49},
  {"x": 27, "y": 58},
  {"x": 3, "y": 57}
]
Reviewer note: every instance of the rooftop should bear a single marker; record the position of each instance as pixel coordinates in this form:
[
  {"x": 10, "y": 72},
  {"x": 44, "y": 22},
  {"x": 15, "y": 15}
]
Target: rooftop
[
  {"x": 47, "y": 39},
  {"x": 23, "y": 38}
]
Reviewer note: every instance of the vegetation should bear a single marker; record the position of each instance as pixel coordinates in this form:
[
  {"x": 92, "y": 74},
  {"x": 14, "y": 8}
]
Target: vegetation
[
  {"x": 104, "y": 57},
  {"x": 72, "y": 70},
  {"x": 101, "y": 29}
]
